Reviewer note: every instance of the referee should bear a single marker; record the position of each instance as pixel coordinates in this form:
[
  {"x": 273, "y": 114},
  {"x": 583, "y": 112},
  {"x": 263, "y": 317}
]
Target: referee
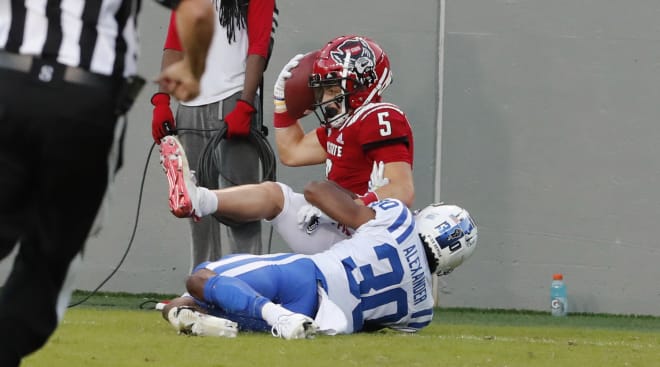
[{"x": 67, "y": 73}]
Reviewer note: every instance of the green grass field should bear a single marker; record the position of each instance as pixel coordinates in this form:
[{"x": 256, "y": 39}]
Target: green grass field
[{"x": 112, "y": 330}]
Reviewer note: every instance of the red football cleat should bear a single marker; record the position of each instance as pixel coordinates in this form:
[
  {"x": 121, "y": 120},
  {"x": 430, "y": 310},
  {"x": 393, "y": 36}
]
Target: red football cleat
[{"x": 182, "y": 188}]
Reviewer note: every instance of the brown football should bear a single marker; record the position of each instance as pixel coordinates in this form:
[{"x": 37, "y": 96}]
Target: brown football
[{"x": 299, "y": 96}]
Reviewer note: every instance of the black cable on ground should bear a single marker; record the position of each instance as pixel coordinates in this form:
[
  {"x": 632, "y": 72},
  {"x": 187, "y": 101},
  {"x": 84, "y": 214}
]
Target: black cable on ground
[
  {"x": 130, "y": 241},
  {"x": 149, "y": 304}
]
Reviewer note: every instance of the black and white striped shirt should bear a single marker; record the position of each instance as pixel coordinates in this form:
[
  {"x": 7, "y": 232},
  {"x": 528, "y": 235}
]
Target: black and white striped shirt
[{"x": 95, "y": 35}]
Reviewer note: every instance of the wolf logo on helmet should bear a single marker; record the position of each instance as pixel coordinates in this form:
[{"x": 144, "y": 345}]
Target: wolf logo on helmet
[{"x": 355, "y": 53}]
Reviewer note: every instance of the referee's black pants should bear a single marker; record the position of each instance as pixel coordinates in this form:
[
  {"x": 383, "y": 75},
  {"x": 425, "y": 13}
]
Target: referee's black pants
[{"x": 55, "y": 139}]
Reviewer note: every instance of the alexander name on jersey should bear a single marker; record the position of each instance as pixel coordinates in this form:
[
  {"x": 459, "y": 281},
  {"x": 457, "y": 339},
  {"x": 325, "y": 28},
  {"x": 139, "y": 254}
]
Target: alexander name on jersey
[{"x": 417, "y": 273}]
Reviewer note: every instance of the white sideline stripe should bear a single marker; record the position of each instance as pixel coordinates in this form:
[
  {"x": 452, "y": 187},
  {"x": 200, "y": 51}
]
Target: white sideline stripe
[{"x": 532, "y": 340}]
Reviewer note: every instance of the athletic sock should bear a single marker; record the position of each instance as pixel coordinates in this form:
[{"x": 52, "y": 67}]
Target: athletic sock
[
  {"x": 207, "y": 200},
  {"x": 272, "y": 312}
]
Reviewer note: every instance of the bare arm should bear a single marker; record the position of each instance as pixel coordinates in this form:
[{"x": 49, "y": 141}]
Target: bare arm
[
  {"x": 295, "y": 148},
  {"x": 194, "y": 21},
  {"x": 254, "y": 72},
  {"x": 260, "y": 32},
  {"x": 170, "y": 57},
  {"x": 337, "y": 203}
]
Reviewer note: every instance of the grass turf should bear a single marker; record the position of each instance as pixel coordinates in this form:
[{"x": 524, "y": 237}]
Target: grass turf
[{"x": 112, "y": 330}]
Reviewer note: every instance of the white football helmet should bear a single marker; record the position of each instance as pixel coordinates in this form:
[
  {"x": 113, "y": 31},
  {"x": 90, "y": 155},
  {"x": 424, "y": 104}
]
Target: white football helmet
[{"x": 449, "y": 235}]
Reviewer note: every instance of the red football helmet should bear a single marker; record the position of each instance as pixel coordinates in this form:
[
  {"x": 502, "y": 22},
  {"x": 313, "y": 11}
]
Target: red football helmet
[{"x": 356, "y": 64}]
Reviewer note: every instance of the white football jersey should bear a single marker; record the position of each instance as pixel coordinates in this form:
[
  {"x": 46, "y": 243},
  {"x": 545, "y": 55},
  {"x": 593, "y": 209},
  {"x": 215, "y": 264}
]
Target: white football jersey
[{"x": 380, "y": 276}]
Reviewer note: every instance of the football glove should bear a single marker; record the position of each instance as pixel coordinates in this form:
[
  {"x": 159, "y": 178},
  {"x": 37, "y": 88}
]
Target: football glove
[
  {"x": 162, "y": 122},
  {"x": 376, "y": 180},
  {"x": 278, "y": 89},
  {"x": 309, "y": 214},
  {"x": 239, "y": 119}
]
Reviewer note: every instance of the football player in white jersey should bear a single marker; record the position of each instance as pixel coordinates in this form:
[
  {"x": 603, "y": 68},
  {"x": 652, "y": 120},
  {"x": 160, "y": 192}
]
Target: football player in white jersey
[{"x": 380, "y": 277}]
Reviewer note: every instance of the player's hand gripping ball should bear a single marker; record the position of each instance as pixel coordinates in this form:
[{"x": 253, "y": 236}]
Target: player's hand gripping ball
[{"x": 299, "y": 97}]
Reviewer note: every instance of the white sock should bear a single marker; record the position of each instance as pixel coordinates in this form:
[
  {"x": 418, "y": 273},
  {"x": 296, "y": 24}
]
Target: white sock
[
  {"x": 272, "y": 312},
  {"x": 207, "y": 200}
]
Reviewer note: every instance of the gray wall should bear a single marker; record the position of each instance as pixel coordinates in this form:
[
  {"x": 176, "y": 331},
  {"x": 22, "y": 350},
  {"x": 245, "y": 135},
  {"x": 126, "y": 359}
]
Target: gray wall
[{"x": 548, "y": 138}]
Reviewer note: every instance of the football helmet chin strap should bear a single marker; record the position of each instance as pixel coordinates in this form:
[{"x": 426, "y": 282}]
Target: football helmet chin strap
[{"x": 330, "y": 115}]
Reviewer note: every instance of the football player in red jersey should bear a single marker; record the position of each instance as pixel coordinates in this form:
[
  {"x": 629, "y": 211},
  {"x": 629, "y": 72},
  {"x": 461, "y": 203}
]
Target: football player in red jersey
[
  {"x": 357, "y": 129},
  {"x": 366, "y": 144}
]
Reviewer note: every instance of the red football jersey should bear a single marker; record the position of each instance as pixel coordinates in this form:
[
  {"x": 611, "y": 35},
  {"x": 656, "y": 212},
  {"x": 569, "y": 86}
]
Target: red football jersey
[{"x": 375, "y": 132}]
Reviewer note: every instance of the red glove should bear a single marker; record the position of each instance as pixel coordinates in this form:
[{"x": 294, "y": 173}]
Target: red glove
[
  {"x": 162, "y": 123},
  {"x": 238, "y": 121}
]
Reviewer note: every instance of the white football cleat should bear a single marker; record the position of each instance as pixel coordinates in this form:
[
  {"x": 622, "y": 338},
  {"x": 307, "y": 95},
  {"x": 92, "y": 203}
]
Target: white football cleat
[
  {"x": 187, "y": 321},
  {"x": 294, "y": 326}
]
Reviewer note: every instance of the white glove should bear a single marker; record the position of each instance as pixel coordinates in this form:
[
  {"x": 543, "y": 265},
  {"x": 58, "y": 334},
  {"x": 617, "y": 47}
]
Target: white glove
[
  {"x": 309, "y": 214},
  {"x": 278, "y": 89},
  {"x": 376, "y": 179}
]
